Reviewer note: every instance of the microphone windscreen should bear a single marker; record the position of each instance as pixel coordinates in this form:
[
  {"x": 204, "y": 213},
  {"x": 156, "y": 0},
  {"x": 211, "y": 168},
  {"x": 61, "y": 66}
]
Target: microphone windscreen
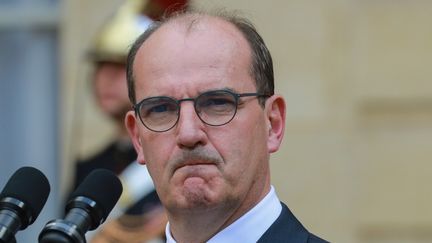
[
  {"x": 30, "y": 186},
  {"x": 101, "y": 186}
]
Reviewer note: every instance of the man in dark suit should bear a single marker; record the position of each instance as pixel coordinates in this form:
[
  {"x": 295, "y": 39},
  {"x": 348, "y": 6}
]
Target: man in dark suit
[{"x": 205, "y": 122}]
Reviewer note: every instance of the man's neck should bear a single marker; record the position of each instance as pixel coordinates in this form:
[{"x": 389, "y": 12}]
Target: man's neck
[{"x": 196, "y": 226}]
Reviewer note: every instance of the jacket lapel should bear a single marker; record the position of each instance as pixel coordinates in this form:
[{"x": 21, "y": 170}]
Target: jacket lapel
[{"x": 286, "y": 228}]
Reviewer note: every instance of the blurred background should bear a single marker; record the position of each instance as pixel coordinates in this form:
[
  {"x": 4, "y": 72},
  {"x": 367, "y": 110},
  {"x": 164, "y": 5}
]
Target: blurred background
[{"x": 356, "y": 75}]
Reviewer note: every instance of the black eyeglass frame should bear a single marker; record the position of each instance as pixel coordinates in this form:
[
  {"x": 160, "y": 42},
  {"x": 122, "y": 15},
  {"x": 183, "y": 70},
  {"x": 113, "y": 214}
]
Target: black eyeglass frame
[{"x": 236, "y": 96}]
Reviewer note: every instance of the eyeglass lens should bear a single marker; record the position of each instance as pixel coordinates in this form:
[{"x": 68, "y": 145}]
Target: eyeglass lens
[{"x": 214, "y": 108}]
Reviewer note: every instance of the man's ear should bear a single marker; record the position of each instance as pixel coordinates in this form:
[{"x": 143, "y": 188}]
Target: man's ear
[
  {"x": 133, "y": 130},
  {"x": 275, "y": 110}
]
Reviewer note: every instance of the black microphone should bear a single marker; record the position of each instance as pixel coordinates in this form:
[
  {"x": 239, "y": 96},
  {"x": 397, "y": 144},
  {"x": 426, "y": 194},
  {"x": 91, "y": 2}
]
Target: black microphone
[
  {"x": 21, "y": 201},
  {"x": 87, "y": 208}
]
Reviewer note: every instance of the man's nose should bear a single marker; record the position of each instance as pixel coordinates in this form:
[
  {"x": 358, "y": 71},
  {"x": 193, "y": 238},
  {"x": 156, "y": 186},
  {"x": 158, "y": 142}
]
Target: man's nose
[{"x": 190, "y": 130}]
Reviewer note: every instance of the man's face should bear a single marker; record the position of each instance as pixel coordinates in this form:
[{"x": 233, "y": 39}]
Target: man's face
[
  {"x": 111, "y": 89},
  {"x": 194, "y": 165}
]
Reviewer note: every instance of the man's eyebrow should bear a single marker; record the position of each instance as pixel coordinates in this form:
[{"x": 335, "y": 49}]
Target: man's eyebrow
[
  {"x": 218, "y": 89},
  {"x": 199, "y": 93}
]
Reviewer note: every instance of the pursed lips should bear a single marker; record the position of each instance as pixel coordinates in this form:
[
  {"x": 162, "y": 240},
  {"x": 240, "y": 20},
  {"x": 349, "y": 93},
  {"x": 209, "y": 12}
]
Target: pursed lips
[{"x": 194, "y": 163}]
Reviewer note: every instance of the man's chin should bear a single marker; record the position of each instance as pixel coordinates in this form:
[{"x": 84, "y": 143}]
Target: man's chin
[
  {"x": 194, "y": 195},
  {"x": 196, "y": 191}
]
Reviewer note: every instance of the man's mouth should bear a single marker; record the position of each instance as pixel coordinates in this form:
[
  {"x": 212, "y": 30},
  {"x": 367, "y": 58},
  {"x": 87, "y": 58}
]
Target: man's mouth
[{"x": 194, "y": 163}]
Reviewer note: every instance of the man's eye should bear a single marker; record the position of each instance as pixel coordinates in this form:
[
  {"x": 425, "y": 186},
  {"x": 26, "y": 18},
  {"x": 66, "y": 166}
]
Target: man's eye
[
  {"x": 159, "y": 108},
  {"x": 217, "y": 105},
  {"x": 216, "y": 102}
]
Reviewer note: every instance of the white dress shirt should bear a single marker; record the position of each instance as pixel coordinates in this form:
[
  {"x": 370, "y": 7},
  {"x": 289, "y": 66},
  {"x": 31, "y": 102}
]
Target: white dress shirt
[{"x": 249, "y": 227}]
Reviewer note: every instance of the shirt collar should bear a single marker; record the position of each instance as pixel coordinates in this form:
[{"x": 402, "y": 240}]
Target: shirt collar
[{"x": 249, "y": 227}]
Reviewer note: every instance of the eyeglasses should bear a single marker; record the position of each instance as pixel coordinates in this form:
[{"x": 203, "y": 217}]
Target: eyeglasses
[{"x": 214, "y": 108}]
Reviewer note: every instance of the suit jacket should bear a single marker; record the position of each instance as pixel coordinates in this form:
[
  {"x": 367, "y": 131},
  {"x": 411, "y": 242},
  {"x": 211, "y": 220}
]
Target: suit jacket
[{"x": 287, "y": 229}]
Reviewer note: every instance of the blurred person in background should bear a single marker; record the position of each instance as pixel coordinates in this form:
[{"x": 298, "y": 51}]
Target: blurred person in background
[{"x": 138, "y": 217}]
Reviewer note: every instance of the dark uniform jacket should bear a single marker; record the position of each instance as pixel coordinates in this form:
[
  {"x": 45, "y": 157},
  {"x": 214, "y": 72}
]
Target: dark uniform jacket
[{"x": 287, "y": 229}]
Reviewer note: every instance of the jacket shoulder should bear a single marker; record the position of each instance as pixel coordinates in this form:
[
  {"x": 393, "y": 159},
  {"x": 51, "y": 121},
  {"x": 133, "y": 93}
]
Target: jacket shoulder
[
  {"x": 315, "y": 239},
  {"x": 288, "y": 229}
]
